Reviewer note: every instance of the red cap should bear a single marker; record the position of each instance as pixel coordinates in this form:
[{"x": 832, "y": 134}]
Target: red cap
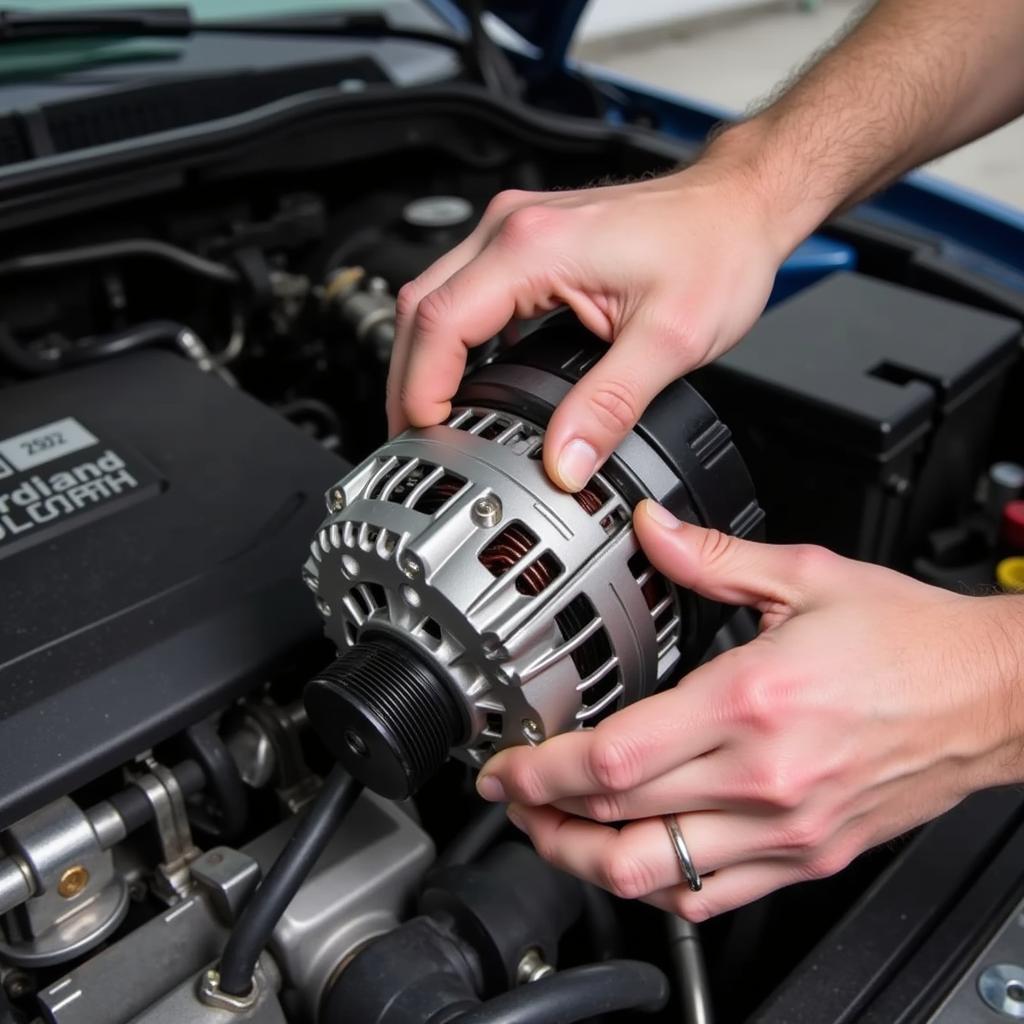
[{"x": 1013, "y": 524}]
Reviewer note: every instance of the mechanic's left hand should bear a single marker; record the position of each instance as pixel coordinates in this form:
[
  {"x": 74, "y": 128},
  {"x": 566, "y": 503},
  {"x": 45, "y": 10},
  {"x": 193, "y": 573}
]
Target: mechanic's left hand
[{"x": 868, "y": 704}]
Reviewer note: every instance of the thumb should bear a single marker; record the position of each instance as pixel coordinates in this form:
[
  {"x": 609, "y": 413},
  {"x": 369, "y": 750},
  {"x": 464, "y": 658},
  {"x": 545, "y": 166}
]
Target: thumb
[
  {"x": 605, "y": 404},
  {"x": 732, "y": 570}
]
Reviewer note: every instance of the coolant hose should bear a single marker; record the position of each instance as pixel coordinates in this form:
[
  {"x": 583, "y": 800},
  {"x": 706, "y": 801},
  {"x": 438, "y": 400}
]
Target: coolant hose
[
  {"x": 577, "y": 994},
  {"x": 258, "y": 919}
]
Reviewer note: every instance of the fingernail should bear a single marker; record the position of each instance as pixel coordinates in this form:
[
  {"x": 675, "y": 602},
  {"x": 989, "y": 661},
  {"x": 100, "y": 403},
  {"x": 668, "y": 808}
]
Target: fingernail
[
  {"x": 516, "y": 818},
  {"x": 660, "y": 514},
  {"x": 576, "y": 464},
  {"x": 490, "y": 788}
]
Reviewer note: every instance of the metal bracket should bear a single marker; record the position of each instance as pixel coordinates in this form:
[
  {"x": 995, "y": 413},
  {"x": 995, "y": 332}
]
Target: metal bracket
[
  {"x": 213, "y": 995},
  {"x": 171, "y": 818}
]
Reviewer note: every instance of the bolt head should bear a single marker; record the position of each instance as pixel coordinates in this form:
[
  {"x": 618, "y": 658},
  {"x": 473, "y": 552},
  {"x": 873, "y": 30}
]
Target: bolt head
[
  {"x": 487, "y": 511},
  {"x": 1001, "y": 986},
  {"x": 532, "y": 730},
  {"x": 532, "y": 967},
  {"x": 411, "y": 566},
  {"x": 336, "y": 500},
  {"x": 73, "y": 881}
]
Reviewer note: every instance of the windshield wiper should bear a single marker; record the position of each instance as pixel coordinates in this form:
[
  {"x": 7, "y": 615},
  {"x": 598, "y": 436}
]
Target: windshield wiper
[{"x": 18, "y": 24}]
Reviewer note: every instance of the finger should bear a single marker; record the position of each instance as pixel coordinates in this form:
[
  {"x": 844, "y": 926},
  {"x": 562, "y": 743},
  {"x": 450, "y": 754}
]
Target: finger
[
  {"x": 640, "y": 859},
  {"x": 503, "y": 204},
  {"x": 605, "y": 404},
  {"x": 472, "y": 306},
  {"x": 561, "y": 766},
  {"x": 633, "y": 746},
  {"x": 493, "y": 222},
  {"x": 772, "y": 577},
  {"x": 703, "y": 784},
  {"x": 728, "y": 889},
  {"x": 408, "y": 303}
]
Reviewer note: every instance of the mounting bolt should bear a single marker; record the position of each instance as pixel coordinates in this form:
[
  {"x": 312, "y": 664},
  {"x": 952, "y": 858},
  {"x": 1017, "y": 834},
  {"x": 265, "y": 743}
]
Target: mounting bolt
[
  {"x": 411, "y": 566},
  {"x": 487, "y": 511},
  {"x": 1001, "y": 986},
  {"x": 532, "y": 731},
  {"x": 73, "y": 881},
  {"x": 336, "y": 500},
  {"x": 532, "y": 967},
  {"x": 17, "y": 984}
]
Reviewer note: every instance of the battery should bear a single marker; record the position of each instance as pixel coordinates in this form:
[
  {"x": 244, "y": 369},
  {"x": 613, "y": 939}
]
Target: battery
[{"x": 865, "y": 412}]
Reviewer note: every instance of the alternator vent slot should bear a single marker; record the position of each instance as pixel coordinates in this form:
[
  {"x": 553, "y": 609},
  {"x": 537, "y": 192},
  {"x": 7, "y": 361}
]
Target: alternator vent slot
[
  {"x": 509, "y": 548},
  {"x": 514, "y": 544},
  {"x": 600, "y": 686},
  {"x": 523, "y": 438},
  {"x": 439, "y": 493},
  {"x": 539, "y": 575},
  {"x": 597, "y": 498},
  {"x": 660, "y": 600}
]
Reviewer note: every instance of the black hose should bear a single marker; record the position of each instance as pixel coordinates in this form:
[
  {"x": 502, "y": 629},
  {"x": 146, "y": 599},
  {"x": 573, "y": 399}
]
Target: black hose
[
  {"x": 577, "y": 994},
  {"x": 690, "y": 972},
  {"x": 475, "y": 839},
  {"x": 6, "y": 1013},
  {"x": 24, "y": 360},
  {"x": 116, "y": 343},
  {"x": 258, "y": 919},
  {"x": 134, "y": 806},
  {"x": 231, "y": 799},
  {"x": 182, "y": 258},
  {"x": 602, "y": 923}
]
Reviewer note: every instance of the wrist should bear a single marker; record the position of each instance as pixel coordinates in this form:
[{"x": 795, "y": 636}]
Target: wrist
[
  {"x": 772, "y": 179},
  {"x": 1003, "y": 652}
]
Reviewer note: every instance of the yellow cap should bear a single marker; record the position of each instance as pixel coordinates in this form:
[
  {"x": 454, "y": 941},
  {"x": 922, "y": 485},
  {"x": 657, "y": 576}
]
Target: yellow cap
[{"x": 1010, "y": 575}]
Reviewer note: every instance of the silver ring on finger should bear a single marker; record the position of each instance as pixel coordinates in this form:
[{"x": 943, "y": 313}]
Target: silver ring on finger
[{"x": 690, "y": 873}]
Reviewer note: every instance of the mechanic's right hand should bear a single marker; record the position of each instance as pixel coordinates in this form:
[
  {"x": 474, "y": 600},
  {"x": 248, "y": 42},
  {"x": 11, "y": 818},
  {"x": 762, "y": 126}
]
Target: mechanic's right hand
[{"x": 671, "y": 271}]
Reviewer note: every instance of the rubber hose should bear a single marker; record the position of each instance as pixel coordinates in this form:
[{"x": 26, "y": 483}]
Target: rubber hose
[
  {"x": 475, "y": 839},
  {"x": 258, "y": 919},
  {"x": 577, "y": 994},
  {"x": 60, "y": 258},
  {"x": 691, "y": 975}
]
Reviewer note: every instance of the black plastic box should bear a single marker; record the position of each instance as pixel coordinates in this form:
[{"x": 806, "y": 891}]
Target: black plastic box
[
  {"x": 153, "y": 525},
  {"x": 864, "y": 411}
]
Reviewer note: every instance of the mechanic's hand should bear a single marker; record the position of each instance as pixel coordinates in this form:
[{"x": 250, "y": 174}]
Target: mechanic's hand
[
  {"x": 673, "y": 270},
  {"x": 868, "y": 704}
]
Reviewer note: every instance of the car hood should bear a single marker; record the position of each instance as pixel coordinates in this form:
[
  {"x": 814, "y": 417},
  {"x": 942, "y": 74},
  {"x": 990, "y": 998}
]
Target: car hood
[{"x": 548, "y": 26}]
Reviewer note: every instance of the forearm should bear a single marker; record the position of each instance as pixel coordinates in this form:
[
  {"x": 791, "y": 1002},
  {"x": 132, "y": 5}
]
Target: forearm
[
  {"x": 915, "y": 79},
  {"x": 1001, "y": 648}
]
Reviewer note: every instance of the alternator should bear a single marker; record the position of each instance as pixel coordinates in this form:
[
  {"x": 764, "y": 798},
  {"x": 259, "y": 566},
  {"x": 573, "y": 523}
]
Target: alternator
[{"x": 475, "y": 605}]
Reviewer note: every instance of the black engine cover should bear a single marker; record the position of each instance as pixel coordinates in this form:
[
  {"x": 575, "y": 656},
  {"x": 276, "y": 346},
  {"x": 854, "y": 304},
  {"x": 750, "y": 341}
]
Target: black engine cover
[{"x": 152, "y": 522}]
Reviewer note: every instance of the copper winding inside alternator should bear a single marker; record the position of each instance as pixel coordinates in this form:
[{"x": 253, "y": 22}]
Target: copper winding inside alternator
[
  {"x": 509, "y": 548},
  {"x": 589, "y": 500}
]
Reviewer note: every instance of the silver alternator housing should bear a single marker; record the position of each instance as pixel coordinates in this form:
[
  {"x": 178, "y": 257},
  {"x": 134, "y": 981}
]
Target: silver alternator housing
[{"x": 475, "y": 605}]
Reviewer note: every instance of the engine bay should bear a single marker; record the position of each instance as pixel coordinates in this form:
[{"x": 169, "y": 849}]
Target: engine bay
[{"x": 194, "y": 340}]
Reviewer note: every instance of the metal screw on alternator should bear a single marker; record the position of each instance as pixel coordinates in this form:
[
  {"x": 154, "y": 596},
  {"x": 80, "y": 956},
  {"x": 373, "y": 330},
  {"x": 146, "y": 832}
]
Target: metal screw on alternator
[
  {"x": 410, "y": 567},
  {"x": 336, "y": 500},
  {"x": 532, "y": 967},
  {"x": 487, "y": 511},
  {"x": 1002, "y": 988},
  {"x": 532, "y": 731}
]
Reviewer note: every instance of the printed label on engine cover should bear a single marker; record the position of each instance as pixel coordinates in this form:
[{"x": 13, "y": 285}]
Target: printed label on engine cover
[{"x": 60, "y": 475}]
